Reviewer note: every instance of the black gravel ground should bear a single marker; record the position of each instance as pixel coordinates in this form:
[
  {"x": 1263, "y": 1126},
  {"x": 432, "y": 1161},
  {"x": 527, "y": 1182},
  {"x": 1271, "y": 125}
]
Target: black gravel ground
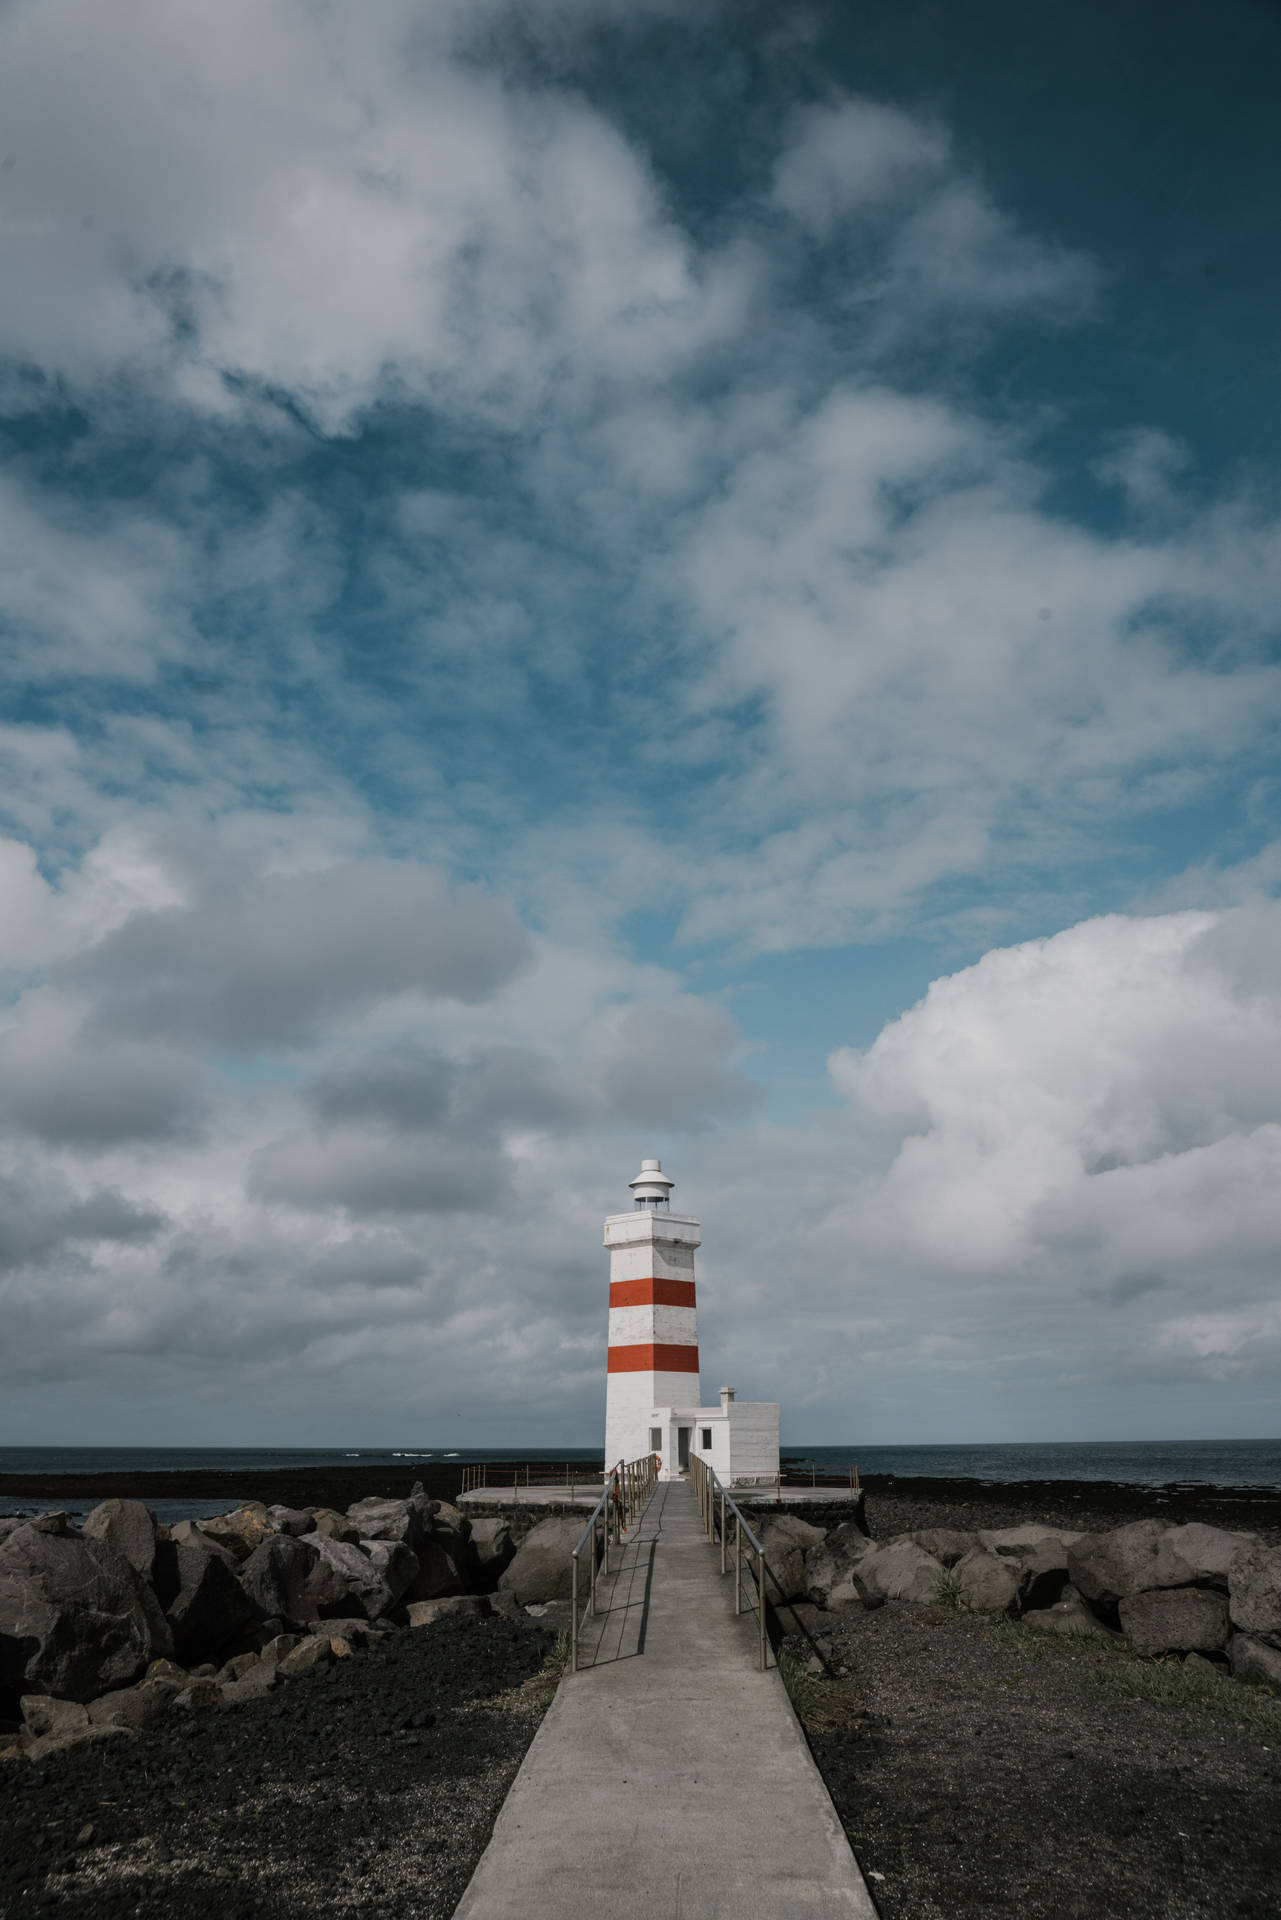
[
  {"x": 980, "y": 1766},
  {"x": 367, "y": 1788}
]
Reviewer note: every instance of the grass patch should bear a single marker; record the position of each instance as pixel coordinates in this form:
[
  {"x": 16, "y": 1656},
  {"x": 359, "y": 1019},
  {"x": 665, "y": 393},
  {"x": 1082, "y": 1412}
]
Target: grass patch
[{"x": 820, "y": 1702}]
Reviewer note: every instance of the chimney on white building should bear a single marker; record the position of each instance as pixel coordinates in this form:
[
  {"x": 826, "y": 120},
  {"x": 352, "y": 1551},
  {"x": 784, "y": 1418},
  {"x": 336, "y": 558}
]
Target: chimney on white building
[{"x": 727, "y": 1394}]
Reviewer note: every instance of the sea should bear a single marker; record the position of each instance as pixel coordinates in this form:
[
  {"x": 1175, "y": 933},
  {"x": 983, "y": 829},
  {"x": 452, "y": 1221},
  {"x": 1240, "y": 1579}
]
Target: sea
[{"x": 1137, "y": 1463}]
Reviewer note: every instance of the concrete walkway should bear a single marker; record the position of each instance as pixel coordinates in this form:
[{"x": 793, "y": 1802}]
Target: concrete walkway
[{"x": 669, "y": 1779}]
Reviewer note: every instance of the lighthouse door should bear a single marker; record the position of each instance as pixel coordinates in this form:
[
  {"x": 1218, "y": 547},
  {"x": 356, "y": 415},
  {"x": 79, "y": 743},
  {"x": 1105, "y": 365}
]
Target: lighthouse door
[{"x": 682, "y": 1448}]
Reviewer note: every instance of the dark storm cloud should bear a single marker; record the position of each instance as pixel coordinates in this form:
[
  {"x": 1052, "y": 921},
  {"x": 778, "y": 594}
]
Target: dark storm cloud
[
  {"x": 271, "y": 961},
  {"x": 410, "y": 1087},
  {"x": 374, "y": 1171},
  {"x": 70, "y": 1086},
  {"x": 40, "y": 1216}
]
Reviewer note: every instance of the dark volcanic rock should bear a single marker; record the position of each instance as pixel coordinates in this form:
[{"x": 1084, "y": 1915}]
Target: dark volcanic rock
[
  {"x": 1256, "y": 1592},
  {"x": 365, "y": 1787},
  {"x": 1255, "y": 1661},
  {"x": 444, "y": 1567},
  {"x": 1176, "y": 1620},
  {"x": 1104, "y": 1567},
  {"x": 406, "y": 1521},
  {"x": 208, "y": 1604},
  {"x": 541, "y": 1569},
  {"x": 344, "y": 1581},
  {"x": 831, "y": 1570},
  {"x": 129, "y": 1526},
  {"x": 275, "y": 1577},
  {"x": 75, "y": 1618}
]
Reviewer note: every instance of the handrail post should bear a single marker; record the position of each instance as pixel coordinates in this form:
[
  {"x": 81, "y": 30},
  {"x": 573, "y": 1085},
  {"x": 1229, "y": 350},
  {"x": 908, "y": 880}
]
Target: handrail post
[
  {"x": 760, "y": 1598},
  {"x": 722, "y": 1529},
  {"x": 738, "y": 1564},
  {"x": 573, "y": 1617}
]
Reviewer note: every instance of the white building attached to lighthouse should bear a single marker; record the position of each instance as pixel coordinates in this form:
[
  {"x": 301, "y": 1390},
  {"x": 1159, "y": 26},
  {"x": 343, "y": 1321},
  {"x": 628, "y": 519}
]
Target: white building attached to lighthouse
[{"x": 652, "y": 1395}]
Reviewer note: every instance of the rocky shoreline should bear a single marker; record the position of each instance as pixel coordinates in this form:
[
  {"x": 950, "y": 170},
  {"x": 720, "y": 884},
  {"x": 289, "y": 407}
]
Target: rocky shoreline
[{"x": 388, "y": 1665}]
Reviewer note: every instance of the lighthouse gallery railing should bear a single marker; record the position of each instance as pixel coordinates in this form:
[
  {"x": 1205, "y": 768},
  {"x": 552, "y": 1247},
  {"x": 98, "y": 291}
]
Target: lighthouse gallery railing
[
  {"x": 717, "y": 1505},
  {"x": 627, "y": 1487}
]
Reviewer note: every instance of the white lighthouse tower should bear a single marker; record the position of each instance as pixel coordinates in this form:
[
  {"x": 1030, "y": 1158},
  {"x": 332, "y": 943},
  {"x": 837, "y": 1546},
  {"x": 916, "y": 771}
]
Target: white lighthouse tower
[{"x": 652, "y": 1390}]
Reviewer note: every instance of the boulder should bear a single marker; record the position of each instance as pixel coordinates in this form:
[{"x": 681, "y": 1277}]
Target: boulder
[
  {"x": 492, "y": 1548},
  {"x": 1030, "y": 1538},
  {"x": 540, "y": 1569},
  {"x": 1255, "y": 1586},
  {"x": 241, "y": 1531},
  {"x": 1069, "y": 1615},
  {"x": 1176, "y": 1620},
  {"x": 208, "y": 1604},
  {"x": 1255, "y": 1661},
  {"x": 336, "y": 1525},
  {"x": 275, "y": 1577},
  {"x": 42, "y": 1714},
  {"x": 314, "y": 1651},
  {"x": 390, "y": 1520},
  {"x": 1198, "y": 1556},
  {"x": 254, "y": 1685},
  {"x": 275, "y": 1650},
  {"x": 9, "y": 1523},
  {"x": 1104, "y": 1567},
  {"x": 53, "y": 1743},
  {"x": 76, "y": 1619},
  {"x": 451, "y": 1518},
  {"x": 473, "y": 1606},
  {"x": 345, "y": 1581},
  {"x": 831, "y": 1568},
  {"x": 444, "y": 1566},
  {"x": 130, "y": 1527},
  {"x": 786, "y": 1541},
  {"x": 131, "y": 1706},
  {"x": 947, "y": 1544},
  {"x": 199, "y": 1697},
  {"x": 291, "y": 1520},
  {"x": 395, "y": 1564},
  {"x": 985, "y": 1582},
  {"x": 901, "y": 1572}
]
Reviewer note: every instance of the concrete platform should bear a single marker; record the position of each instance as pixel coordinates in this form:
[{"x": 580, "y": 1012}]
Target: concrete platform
[{"x": 670, "y": 1779}]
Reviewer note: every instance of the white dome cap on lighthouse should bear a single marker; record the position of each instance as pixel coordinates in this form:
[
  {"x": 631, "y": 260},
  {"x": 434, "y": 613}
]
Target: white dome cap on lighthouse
[{"x": 651, "y": 1186}]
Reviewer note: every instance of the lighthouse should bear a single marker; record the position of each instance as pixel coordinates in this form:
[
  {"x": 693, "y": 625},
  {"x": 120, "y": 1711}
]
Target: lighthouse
[{"x": 652, "y": 1392}]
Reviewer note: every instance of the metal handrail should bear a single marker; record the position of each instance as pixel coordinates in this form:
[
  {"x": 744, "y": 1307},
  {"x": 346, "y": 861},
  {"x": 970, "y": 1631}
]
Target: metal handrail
[
  {"x": 707, "y": 1485},
  {"x": 628, "y": 1484}
]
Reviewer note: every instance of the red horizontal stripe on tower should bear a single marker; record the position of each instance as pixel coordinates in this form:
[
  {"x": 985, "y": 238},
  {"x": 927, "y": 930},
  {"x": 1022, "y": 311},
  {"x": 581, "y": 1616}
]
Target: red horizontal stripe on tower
[
  {"x": 653, "y": 1359},
  {"x": 651, "y": 1293}
]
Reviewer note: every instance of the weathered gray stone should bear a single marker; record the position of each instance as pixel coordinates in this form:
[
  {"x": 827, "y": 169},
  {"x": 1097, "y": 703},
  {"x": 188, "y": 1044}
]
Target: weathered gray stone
[
  {"x": 130, "y": 1527},
  {"x": 53, "y": 1743},
  {"x": 471, "y": 1605},
  {"x": 786, "y": 1541},
  {"x": 1198, "y": 1556},
  {"x": 132, "y": 1706},
  {"x": 947, "y": 1544},
  {"x": 450, "y": 1518},
  {"x": 1069, "y": 1615},
  {"x": 1255, "y": 1586},
  {"x": 275, "y": 1577},
  {"x": 336, "y": 1525},
  {"x": 541, "y": 1567},
  {"x": 444, "y": 1566},
  {"x": 314, "y": 1651},
  {"x": 291, "y": 1520},
  {"x": 209, "y": 1605},
  {"x": 1030, "y": 1538},
  {"x": 831, "y": 1568},
  {"x": 985, "y": 1582},
  {"x": 254, "y": 1685},
  {"x": 1255, "y": 1661},
  {"x": 391, "y": 1520},
  {"x": 200, "y": 1697},
  {"x": 240, "y": 1531},
  {"x": 345, "y": 1581},
  {"x": 9, "y": 1523},
  {"x": 42, "y": 1714},
  {"x": 492, "y": 1546},
  {"x": 1104, "y": 1567},
  {"x": 901, "y": 1572},
  {"x": 75, "y": 1617},
  {"x": 275, "y": 1650},
  {"x": 395, "y": 1564},
  {"x": 1176, "y": 1620}
]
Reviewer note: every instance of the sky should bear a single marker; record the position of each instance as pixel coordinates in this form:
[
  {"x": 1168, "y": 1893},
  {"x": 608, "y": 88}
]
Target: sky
[{"x": 582, "y": 580}]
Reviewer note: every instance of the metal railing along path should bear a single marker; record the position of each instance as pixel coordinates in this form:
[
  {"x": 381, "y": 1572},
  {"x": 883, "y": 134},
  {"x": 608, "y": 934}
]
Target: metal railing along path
[
  {"x": 627, "y": 1488},
  {"x": 542, "y": 1474},
  {"x": 711, "y": 1494}
]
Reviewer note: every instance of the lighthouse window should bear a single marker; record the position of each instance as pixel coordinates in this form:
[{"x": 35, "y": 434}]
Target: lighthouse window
[
  {"x": 707, "y": 1439},
  {"x": 656, "y": 1439}
]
